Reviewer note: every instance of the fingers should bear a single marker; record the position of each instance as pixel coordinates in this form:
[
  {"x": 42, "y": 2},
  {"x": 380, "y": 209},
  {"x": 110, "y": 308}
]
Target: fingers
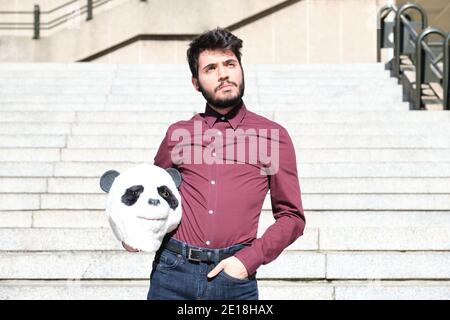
[
  {"x": 214, "y": 272},
  {"x": 128, "y": 248}
]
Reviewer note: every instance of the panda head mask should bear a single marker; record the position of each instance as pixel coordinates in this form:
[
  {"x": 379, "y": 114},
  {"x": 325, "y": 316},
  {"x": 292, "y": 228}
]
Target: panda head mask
[{"x": 143, "y": 204}]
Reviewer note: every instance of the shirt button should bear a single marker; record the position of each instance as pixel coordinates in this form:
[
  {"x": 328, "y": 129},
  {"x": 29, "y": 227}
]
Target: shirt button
[
  {"x": 213, "y": 154},
  {"x": 222, "y": 118},
  {"x": 220, "y": 133},
  {"x": 213, "y": 182},
  {"x": 210, "y": 212},
  {"x": 208, "y": 243}
]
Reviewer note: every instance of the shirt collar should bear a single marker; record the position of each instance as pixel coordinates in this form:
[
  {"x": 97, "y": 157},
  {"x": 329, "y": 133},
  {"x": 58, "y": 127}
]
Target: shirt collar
[{"x": 234, "y": 116}]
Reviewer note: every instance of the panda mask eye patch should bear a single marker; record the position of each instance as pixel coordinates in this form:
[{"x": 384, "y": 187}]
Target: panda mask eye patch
[
  {"x": 167, "y": 195},
  {"x": 131, "y": 195}
]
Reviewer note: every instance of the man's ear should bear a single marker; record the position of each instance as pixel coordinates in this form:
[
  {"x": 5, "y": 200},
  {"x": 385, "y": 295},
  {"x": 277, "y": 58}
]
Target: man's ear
[
  {"x": 107, "y": 180},
  {"x": 195, "y": 83}
]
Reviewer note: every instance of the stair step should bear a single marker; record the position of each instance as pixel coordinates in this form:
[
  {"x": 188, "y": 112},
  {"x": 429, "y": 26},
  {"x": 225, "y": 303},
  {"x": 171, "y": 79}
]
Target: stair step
[
  {"x": 199, "y": 107},
  {"x": 315, "y": 219},
  {"x": 310, "y": 201},
  {"x": 73, "y": 289},
  {"x": 186, "y": 75},
  {"x": 305, "y": 170},
  {"x": 303, "y": 155},
  {"x": 90, "y": 185},
  {"x": 417, "y": 265},
  {"x": 151, "y": 90},
  {"x": 300, "y": 142},
  {"x": 289, "y": 265},
  {"x": 182, "y": 66},
  {"x": 342, "y": 97},
  {"x": 331, "y": 239},
  {"x": 411, "y": 117},
  {"x": 288, "y": 117},
  {"x": 176, "y": 83},
  {"x": 72, "y": 116},
  {"x": 369, "y": 129},
  {"x": 32, "y": 141}
]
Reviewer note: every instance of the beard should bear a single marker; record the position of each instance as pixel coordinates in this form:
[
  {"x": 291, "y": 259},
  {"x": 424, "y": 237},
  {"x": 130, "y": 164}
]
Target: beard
[{"x": 222, "y": 103}]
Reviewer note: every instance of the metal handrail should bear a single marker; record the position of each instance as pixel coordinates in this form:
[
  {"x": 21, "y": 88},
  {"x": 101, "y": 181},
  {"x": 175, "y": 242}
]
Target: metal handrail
[
  {"x": 83, "y": 9},
  {"x": 400, "y": 21},
  {"x": 60, "y": 7},
  {"x": 421, "y": 51},
  {"x": 383, "y": 13},
  {"x": 37, "y": 13},
  {"x": 447, "y": 73}
]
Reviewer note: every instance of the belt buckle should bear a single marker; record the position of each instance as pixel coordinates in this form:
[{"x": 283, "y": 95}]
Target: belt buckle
[{"x": 190, "y": 255}]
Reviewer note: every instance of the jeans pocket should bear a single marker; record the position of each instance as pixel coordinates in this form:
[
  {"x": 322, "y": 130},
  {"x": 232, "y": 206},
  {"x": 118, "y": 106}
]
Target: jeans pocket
[
  {"x": 231, "y": 278},
  {"x": 168, "y": 260}
]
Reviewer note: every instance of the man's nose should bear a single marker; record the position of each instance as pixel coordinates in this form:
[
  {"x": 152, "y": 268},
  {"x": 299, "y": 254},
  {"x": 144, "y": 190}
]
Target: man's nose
[{"x": 222, "y": 73}]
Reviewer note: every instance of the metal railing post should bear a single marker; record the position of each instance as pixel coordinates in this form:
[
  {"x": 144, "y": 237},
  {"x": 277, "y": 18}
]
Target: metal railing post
[
  {"x": 37, "y": 21},
  {"x": 89, "y": 10},
  {"x": 420, "y": 63},
  {"x": 399, "y": 32},
  {"x": 446, "y": 82},
  {"x": 380, "y": 33}
]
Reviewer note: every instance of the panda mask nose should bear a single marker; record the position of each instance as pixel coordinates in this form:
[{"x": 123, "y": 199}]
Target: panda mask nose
[{"x": 153, "y": 202}]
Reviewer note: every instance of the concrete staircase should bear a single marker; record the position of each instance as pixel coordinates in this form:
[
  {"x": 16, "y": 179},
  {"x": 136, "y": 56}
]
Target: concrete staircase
[{"x": 374, "y": 176}]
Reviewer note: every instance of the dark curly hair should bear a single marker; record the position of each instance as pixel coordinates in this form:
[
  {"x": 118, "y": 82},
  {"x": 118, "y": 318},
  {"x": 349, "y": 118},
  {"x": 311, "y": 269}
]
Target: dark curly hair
[{"x": 216, "y": 39}]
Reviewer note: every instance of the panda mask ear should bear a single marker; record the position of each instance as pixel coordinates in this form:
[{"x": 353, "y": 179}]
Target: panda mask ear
[
  {"x": 107, "y": 180},
  {"x": 176, "y": 176}
]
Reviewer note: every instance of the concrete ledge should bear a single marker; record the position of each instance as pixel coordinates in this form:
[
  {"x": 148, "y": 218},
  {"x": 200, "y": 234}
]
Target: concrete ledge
[
  {"x": 124, "y": 265},
  {"x": 305, "y": 170},
  {"x": 16, "y": 219},
  {"x": 375, "y": 202},
  {"x": 381, "y": 290},
  {"x": 315, "y": 219},
  {"x": 34, "y": 141},
  {"x": 35, "y": 128},
  {"x": 26, "y": 169},
  {"x": 383, "y": 265},
  {"x": 268, "y": 290},
  {"x": 30, "y": 154},
  {"x": 70, "y": 219},
  {"x": 19, "y": 202},
  {"x": 300, "y": 141},
  {"x": 360, "y": 202},
  {"x": 196, "y": 107},
  {"x": 53, "y": 239},
  {"x": 296, "y": 265},
  {"x": 386, "y": 238}
]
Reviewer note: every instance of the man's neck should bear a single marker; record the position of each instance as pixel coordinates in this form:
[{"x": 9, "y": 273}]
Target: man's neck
[{"x": 223, "y": 111}]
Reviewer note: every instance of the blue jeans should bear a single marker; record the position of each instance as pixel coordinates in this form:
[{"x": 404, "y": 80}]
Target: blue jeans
[{"x": 174, "y": 277}]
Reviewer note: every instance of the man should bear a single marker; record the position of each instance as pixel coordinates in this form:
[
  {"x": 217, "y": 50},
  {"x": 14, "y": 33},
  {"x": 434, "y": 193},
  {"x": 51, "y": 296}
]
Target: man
[{"x": 214, "y": 253}]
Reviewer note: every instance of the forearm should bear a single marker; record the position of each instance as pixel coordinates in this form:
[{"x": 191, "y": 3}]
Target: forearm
[{"x": 284, "y": 231}]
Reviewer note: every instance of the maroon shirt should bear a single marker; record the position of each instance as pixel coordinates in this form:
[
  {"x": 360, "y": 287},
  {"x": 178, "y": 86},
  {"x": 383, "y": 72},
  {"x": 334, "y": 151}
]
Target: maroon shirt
[{"x": 222, "y": 194}]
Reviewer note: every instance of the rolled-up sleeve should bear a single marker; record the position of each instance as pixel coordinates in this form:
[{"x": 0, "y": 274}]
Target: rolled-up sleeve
[{"x": 287, "y": 210}]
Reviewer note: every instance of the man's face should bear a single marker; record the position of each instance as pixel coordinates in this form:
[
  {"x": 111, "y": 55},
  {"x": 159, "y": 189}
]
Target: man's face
[{"x": 220, "y": 78}]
